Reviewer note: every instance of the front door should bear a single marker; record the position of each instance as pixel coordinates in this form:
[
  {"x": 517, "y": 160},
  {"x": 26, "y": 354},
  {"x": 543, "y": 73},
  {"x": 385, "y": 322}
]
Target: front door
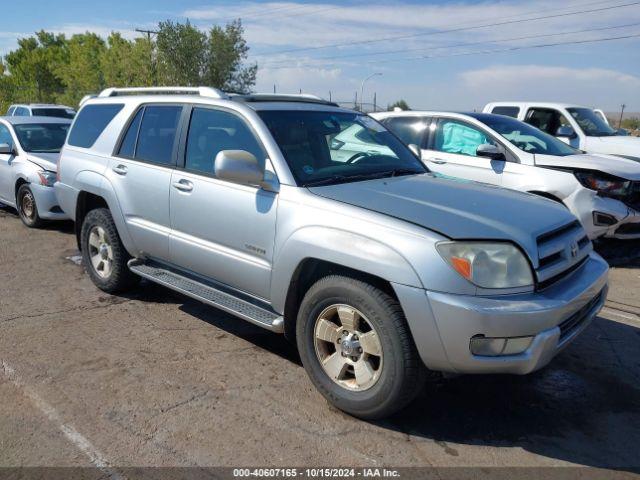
[
  {"x": 7, "y": 193},
  {"x": 221, "y": 230},
  {"x": 452, "y": 152},
  {"x": 141, "y": 175}
]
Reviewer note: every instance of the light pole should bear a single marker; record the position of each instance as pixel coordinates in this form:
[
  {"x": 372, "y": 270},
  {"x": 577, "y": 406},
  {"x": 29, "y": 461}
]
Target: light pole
[{"x": 362, "y": 89}]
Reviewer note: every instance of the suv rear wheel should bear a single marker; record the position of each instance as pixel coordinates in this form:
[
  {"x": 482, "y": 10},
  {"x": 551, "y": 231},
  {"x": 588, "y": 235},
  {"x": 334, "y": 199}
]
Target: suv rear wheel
[
  {"x": 103, "y": 254},
  {"x": 357, "y": 349},
  {"x": 27, "y": 208}
]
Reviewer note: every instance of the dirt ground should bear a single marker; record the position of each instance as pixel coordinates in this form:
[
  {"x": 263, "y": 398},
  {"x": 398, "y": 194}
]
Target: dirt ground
[{"x": 154, "y": 378}]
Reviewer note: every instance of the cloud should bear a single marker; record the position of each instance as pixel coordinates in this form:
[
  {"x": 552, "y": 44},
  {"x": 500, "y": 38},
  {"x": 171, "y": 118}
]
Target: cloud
[{"x": 589, "y": 86}]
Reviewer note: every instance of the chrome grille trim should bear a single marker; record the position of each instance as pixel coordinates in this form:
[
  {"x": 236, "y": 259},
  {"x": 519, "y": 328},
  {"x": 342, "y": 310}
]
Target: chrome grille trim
[{"x": 559, "y": 251}]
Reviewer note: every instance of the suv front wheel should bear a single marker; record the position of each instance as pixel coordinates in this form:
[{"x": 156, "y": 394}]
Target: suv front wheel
[
  {"x": 355, "y": 345},
  {"x": 103, "y": 254}
]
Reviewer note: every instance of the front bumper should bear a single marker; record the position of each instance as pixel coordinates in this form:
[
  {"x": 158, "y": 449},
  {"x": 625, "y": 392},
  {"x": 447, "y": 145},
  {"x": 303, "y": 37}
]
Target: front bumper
[
  {"x": 443, "y": 324},
  {"x": 47, "y": 203},
  {"x": 625, "y": 220}
]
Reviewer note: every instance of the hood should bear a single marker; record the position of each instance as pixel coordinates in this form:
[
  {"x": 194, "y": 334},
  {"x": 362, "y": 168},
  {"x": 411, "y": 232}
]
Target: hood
[
  {"x": 456, "y": 209},
  {"x": 618, "y": 166},
  {"x": 616, "y": 145},
  {"x": 46, "y": 161}
]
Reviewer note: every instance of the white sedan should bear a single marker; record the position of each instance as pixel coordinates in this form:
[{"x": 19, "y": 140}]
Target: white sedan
[
  {"x": 29, "y": 149},
  {"x": 602, "y": 191}
]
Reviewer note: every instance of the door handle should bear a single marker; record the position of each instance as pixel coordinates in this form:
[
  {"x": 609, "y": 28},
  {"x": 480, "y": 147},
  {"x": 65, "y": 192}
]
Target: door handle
[
  {"x": 120, "y": 169},
  {"x": 438, "y": 161},
  {"x": 183, "y": 185}
]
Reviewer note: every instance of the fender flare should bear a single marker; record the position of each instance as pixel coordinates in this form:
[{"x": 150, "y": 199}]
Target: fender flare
[
  {"x": 363, "y": 254},
  {"x": 99, "y": 185}
]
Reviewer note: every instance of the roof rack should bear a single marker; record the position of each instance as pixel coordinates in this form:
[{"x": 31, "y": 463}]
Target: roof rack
[
  {"x": 202, "y": 91},
  {"x": 274, "y": 97}
]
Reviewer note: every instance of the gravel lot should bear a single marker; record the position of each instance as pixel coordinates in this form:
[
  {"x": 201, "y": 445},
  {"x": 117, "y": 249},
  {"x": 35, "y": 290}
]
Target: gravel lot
[{"x": 154, "y": 378}]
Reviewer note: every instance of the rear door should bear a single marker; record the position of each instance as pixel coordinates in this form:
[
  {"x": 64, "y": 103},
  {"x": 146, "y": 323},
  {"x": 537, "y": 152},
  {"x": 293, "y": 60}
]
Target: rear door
[
  {"x": 452, "y": 151},
  {"x": 141, "y": 175},
  {"x": 221, "y": 230}
]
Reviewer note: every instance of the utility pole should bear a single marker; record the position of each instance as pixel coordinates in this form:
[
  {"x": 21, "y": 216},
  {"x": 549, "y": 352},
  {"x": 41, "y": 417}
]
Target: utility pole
[
  {"x": 355, "y": 102},
  {"x": 362, "y": 89},
  {"x": 274, "y": 88},
  {"x": 375, "y": 102},
  {"x": 154, "y": 75},
  {"x": 621, "y": 113}
]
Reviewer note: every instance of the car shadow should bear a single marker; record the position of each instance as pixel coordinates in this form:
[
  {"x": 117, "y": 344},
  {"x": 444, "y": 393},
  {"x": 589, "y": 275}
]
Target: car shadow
[
  {"x": 583, "y": 408},
  {"x": 619, "y": 253}
]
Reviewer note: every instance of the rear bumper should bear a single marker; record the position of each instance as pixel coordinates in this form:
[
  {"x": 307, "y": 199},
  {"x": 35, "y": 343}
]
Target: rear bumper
[
  {"x": 47, "y": 203},
  {"x": 66, "y": 197},
  {"x": 553, "y": 317}
]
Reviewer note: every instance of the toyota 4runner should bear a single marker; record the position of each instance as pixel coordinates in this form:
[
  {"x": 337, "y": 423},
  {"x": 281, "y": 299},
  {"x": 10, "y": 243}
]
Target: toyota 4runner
[{"x": 383, "y": 273}]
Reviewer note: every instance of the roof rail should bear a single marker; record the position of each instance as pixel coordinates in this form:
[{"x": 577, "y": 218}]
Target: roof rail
[
  {"x": 202, "y": 91},
  {"x": 279, "y": 97}
]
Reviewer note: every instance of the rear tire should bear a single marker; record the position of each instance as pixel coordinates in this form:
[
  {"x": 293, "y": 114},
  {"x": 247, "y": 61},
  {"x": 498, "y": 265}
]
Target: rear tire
[
  {"x": 103, "y": 254},
  {"x": 381, "y": 372},
  {"x": 27, "y": 208}
]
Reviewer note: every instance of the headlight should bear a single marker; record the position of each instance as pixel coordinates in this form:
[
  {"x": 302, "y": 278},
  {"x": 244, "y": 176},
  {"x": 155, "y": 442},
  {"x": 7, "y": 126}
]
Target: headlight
[
  {"x": 603, "y": 183},
  {"x": 47, "y": 178},
  {"x": 488, "y": 264}
]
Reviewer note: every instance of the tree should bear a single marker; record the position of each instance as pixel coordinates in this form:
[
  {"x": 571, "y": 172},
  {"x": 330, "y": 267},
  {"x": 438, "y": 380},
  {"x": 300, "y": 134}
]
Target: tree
[
  {"x": 181, "y": 52},
  {"x": 32, "y": 68},
  {"x": 224, "y": 56},
  {"x": 401, "y": 104},
  {"x": 127, "y": 63},
  {"x": 81, "y": 74}
]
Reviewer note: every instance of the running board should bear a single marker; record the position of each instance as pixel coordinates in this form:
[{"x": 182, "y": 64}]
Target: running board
[{"x": 209, "y": 295}]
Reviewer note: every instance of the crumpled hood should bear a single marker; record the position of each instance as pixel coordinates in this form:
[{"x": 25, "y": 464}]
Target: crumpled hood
[
  {"x": 621, "y": 167},
  {"x": 457, "y": 209},
  {"x": 47, "y": 161}
]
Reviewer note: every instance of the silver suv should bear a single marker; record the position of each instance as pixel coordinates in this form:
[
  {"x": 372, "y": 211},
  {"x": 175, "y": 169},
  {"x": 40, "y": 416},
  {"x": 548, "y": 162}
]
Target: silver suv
[{"x": 383, "y": 273}]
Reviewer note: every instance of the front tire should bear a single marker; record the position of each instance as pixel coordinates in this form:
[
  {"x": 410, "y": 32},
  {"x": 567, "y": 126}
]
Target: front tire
[
  {"x": 103, "y": 254},
  {"x": 356, "y": 347},
  {"x": 27, "y": 208}
]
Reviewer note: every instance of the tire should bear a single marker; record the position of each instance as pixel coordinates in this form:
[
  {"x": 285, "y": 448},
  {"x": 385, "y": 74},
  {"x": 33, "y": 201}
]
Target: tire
[
  {"x": 103, "y": 254},
  {"x": 27, "y": 208},
  {"x": 398, "y": 374}
]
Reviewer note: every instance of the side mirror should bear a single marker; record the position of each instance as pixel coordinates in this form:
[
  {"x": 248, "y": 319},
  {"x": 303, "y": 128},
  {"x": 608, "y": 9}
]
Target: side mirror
[
  {"x": 489, "y": 151},
  {"x": 566, "y": 132},
  {"x": 415, "y": 149},
  {"x": 6, "y": 149},
  {"x": 240, "y": 166}
]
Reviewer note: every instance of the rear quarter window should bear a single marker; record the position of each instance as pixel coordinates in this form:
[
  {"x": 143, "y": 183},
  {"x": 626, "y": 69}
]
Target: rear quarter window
[
  {"x": 508, "y": 111},
  {"x": 91, "y": 122}
]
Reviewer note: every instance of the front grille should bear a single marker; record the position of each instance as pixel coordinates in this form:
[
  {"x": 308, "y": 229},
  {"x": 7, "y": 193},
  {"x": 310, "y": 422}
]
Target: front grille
[
  {"x": 575, "y": 320},
  {"x": 560, "y": 252}
]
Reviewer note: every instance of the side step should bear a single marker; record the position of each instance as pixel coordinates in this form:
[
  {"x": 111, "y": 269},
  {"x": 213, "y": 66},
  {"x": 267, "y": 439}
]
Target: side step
[{"x": 209, "y": 295}]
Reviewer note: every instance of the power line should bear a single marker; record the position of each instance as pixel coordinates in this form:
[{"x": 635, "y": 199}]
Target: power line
[
  {"x": 484, "y": 52},
  {"x": 273, "y": 13},
  {"x": 468, "y": 44},
  {"x": 439, "y": 32}
]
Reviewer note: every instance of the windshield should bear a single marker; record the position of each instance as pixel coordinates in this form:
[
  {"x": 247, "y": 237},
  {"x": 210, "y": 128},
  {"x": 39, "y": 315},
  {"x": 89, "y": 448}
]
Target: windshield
[
  {"x": 526, "y": 137},
  {"x": 41, "y": 137},
  {"x": 53, "y": 112},
  {"x": 332, "y": 147},
  {"x": 591, "y": 123}
]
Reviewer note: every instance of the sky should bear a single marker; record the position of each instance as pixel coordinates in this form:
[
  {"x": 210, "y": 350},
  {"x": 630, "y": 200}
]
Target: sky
[{"x": 453, "y": 55}]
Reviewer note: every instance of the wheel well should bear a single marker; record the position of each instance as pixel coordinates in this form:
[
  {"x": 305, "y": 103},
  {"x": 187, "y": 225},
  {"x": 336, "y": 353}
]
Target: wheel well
[
  {"x": 308, "y": 272},
  {"x": 19, "y": 183},
  {"x": 86, "y": 202}
]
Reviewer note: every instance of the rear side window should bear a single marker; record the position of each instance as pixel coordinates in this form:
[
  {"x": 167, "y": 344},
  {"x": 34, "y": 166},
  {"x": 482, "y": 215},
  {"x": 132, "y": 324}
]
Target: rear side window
[
  {"x": 91, "y": 122},
  {"x": 508, "y": 111},
  {"x": 411, "y": 130},
  {"x": 21, "y": 112},
  {"x": 151, "y": 135},
  {"x": 128, "y": 145}
]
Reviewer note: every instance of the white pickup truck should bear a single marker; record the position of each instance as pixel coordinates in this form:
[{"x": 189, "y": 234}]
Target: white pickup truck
[{"x": 580, "y": 127}]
